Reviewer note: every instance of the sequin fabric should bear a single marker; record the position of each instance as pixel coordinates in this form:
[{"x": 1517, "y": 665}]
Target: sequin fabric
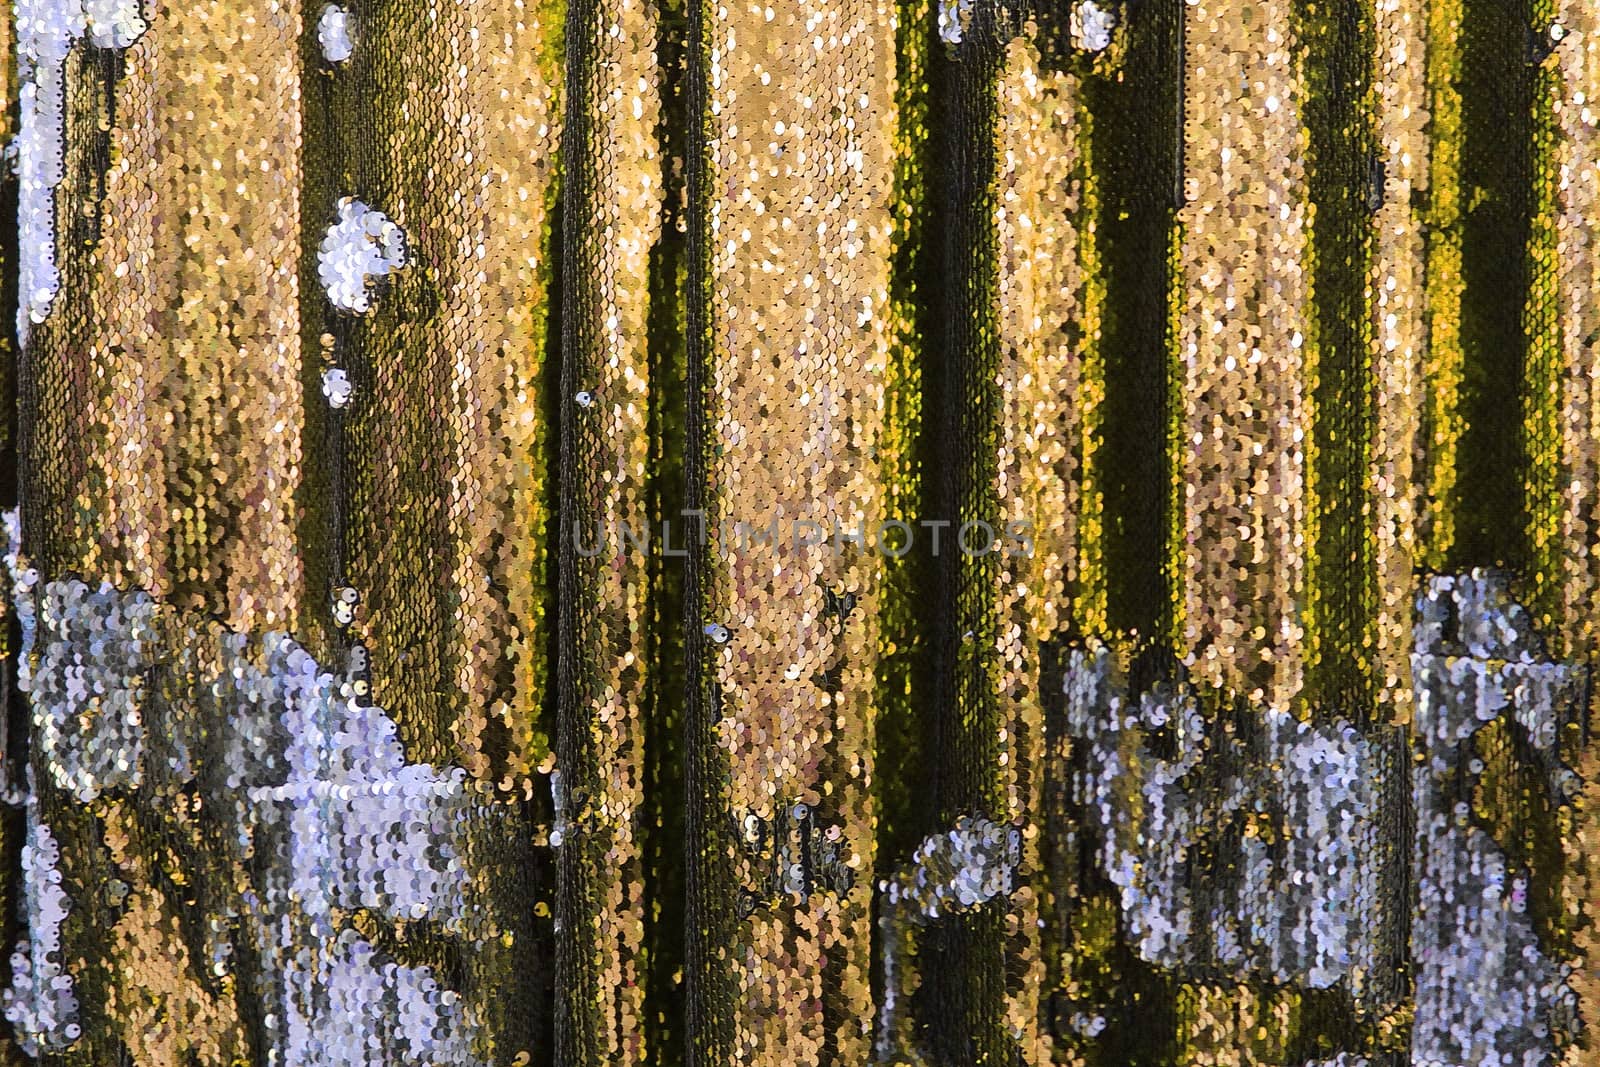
[{"x": 934, "y": 533}]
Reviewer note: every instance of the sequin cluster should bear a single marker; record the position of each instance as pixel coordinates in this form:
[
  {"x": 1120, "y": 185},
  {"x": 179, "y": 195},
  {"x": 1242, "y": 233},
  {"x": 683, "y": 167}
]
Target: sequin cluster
[
  {"x": 315, "y": 784},
  {"x": 971, "y": 865},
  {"x": 1485, "y": 986},
  {"x": 93, "y": 649},
  {"x": 361, "y": 247},
  {"x": 333, "y": 34},
  {"x": 1305, "y": 892},
  {"x": 46, "y": 31},
  {"x": 1291, "y": 812},
  {"x": 1092, "y": 25},
  {"x": 615, "y": 201},
  {"x": 40, "y": 1004}
]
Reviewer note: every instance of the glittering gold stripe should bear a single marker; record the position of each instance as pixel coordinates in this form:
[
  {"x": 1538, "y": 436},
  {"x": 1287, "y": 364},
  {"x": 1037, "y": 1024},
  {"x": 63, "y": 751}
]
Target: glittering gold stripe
[
  {"x": 1397, "y": 302},
  {"x": 517, "y": 90},
  {"x": 132, "y": 548},
  {"x": 801, "y": 104},
  {"x": 1041, "y": 297},
  {"x": 495, "y": 299},
  {"x": 615, "y": 195},
  {"x": 1571, "y": 540},
  {"x": 187, "y": 313},
  {"x": 231, "y": 146},
  {"x": 1242, "y": 344},
  {"x": 446, "y": 520},
  {"x": 1444, "y": 358}
]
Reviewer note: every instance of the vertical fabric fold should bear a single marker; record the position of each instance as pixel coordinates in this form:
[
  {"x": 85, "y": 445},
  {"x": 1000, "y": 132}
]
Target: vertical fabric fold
[
  {"x": 442, "y": 343},
  {"x": 1025, "y": 537},
  {"x": 1564, "y": 327},
  {"x": 612, "y": 203},
  {"x": 1242, "y": 342},
  {"x": 788, "y": 316},
  {"x": 435, "y": 265},
  {"x": 1397, "y": 306},
  {"x": 959, "y": 1001}
]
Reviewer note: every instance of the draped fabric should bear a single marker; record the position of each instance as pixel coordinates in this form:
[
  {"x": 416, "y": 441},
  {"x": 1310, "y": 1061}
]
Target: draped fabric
[{"x": 821, "y": 532}]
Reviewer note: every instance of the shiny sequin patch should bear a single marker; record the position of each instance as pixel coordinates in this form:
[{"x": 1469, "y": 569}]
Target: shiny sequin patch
[
  {"x": 333, "y": 34},
  {"x": 362, "y": 246},
  {"x": 39, "y": 1003},
  {"x": 46, "y": 32}
]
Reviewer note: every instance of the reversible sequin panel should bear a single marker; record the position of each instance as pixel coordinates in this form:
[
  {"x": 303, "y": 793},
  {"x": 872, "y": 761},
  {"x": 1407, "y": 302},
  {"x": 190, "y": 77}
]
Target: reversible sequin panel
[
  {"x": 159, "y": 203},
  {"x": 1294, "y": 800},
  {"x": 1226, "y": 367}
]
